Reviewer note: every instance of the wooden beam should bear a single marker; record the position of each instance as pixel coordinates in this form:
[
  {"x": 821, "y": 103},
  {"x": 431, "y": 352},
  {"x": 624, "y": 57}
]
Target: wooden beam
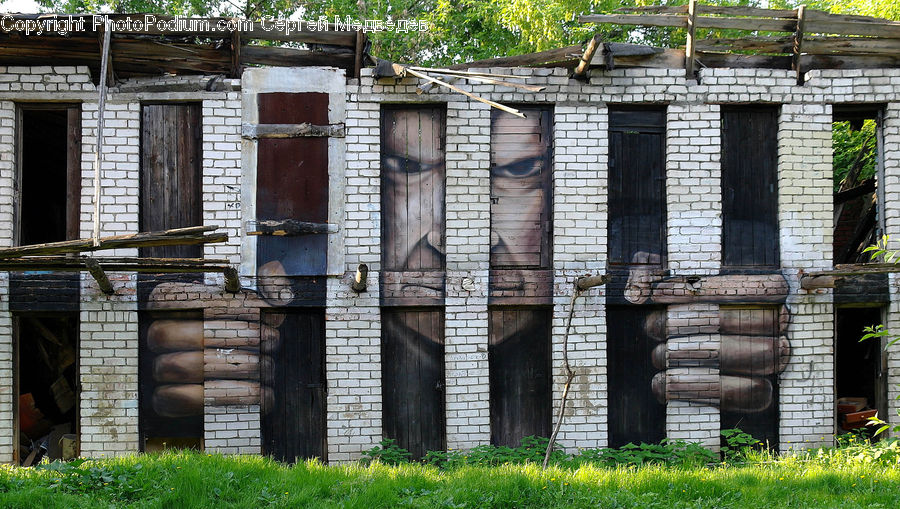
[
  {"x": 588, "y": 282},
  {"x": 114, "y": 264},
  {"x": 358, "y": 284},
  {"x": 99, "y": 275},
  {"x": 466, "y": 93},
  {"x": 635, "y": 19},
  {"x": 690, "y": 57},
  {"x": 287, "y": 57},
  {"x": 149, "y": 239},
  {"x": 868, "y": 186},
  {"x": 736, "y": 10},
  {"x": 851, "y": 46},
  {"x": 288, "y": 228},
  {"x": 760, "y": 44},
  {"x": 585, "y": 62},
  {"x": 360, "y": 50},
  {"x": 809, "y": 282},
  {"x": 98, "y": 157},
  {"x": 853, "y": 269},
  {"x": 304, "y": 130},
  {"x": 236, "y": 67},
  {"x": 798, "y": 44},
  {"x": 889, "y": 30}
]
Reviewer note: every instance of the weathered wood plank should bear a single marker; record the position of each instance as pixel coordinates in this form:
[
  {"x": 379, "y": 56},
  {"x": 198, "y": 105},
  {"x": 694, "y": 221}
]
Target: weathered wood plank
[
  {"x": 99, "y": 275},
  {"x": 585, "y": 62},
  {"x": 288, "y": 227},
  {"x": 302, "y": 130},
  {"x": 118, "y": 241},
  {"x": 890, "y": 30},
  {"x": 760, "y": 44},
  {"x": 767, "y": 25},
  {"x": 268, "y": 55},
  {"x": 851, "y": 46},
  {"x": 729, "y": 10}
]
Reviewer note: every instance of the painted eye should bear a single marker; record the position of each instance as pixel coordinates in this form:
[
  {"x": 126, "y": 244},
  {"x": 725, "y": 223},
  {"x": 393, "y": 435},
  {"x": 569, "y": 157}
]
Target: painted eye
[
  {"x": 401, "y": 164},
  {"x": 520, "y": 169}
]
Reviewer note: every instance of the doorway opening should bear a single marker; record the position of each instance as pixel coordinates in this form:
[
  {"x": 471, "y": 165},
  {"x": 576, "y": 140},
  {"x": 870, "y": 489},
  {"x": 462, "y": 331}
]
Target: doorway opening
[{"x": 46, "y": 386}]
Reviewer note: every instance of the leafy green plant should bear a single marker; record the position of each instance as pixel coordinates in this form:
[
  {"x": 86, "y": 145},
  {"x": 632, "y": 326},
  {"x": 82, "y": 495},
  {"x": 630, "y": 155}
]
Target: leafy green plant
[
  {"x": 83, "y": 477},
  {"x": 388, "y": 452},
  {"x": 531, "y": 450},
  {"x": 667, "y": 452},
  {"x": 738, "y": 445}
]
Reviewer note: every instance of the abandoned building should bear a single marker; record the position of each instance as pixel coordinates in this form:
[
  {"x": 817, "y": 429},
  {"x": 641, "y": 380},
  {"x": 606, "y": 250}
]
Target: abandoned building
[{"x": 298, "y": 252}]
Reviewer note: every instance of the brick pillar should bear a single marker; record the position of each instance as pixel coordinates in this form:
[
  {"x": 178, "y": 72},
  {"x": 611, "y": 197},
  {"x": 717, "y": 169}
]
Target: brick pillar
[
  {"x": 694, "y": 237},
  {"x": 579, "y": 247},
  {"x": 890, "y": 181},
  {"x": 468, "y": 247},
  {"x": 806, "y": 387},
  {"x": 353, "y": 324}
]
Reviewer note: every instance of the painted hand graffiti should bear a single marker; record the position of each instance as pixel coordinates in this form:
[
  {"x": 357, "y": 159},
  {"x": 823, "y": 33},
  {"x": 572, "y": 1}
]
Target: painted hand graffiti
[{"x": 732, "y": 365}]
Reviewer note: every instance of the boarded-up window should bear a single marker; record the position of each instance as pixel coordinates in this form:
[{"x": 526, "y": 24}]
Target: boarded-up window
[
  {"x": 171, "y": 173},
  {"x": 521, "y": 189},
  {"x": 635, "y": 413},
  {"x": 637, "y": 196},
  {"x": 750, "y": 356},
  {"x": 750, "y": 186},
  {"x": 412, "y": 353},
  {"x": 519, "y": 358},
  {"x": 292, "y": 376},
  {"x": 292, "y": 183},
  {"x": 412, "y": 188},
  {"x": 171, "y": 375},
  {"x": 49, "y": 179}
]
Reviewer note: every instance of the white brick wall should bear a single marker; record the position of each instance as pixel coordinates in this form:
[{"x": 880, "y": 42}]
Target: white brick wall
[
  {"x": 468, "y": 249},
  {"x": 109, "y": 377},
  {"x": 694, "y": 188},
  {"x": 353, "y": 360}
]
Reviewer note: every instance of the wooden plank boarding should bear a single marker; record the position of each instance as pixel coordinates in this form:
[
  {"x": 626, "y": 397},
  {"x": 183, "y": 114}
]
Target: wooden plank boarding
[
  {"x": 637, "y": 207},
  {"x": 292, "y": 179},
  {"x": 635, "y": 414},
  {"x": 293, "y": 416},
  {"x": 170, "y": 173},
  {"x": 750, "y": 187},
  {"x": 412, "y": 343},
  {"x": 520, "y": 374}
]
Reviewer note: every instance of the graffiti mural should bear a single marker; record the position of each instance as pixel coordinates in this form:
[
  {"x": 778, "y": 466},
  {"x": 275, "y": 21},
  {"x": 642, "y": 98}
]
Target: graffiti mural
[
  {"x": 520, "y": 278},
  {"x": 413, "y": 186}
]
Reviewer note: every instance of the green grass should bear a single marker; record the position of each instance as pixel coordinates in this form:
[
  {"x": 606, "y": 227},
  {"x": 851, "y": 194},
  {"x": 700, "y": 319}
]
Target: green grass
[{"x": 844, "y": 478}]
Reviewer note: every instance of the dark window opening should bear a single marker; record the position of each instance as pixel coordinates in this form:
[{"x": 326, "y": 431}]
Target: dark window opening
[
  {"x": 859, "y": 368},
  {"x": 750, "y": 187},
  {"x": 49, "y": 173},
  {"x": 47, "y": 387},
  {"x": 856, "y": 132},
  {"x": 637, "y": 187}
]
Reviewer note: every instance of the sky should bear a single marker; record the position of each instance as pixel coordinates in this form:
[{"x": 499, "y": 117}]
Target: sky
[{"x": 23, "y": 6}]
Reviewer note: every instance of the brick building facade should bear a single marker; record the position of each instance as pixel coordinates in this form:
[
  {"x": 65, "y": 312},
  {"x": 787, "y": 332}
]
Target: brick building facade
[{"x": 582, "y": 146}]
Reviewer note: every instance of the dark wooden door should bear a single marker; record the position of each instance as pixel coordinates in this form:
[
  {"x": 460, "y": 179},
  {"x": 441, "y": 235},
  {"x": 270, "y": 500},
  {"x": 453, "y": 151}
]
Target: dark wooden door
[
  {"x": 412, "y": 353},
  {"x": 635, "y": 414},
  {"x": 292, "y": 182},
  {"x": 750, "y": 187},
  {"x": 519, "y": 359},
  {"x": 171, "y": 173},
  {"x": 637, "y": 186},
  {"x": 749, "y": 359},
  {"x": 521, "y": 184},
  {"x": 412, "y": 187},
  {"x": 292, "y": 379}
]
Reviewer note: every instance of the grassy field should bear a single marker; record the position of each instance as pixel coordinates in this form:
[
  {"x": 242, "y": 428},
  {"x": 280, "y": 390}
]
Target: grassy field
[{"x": 865, "y": 476}]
